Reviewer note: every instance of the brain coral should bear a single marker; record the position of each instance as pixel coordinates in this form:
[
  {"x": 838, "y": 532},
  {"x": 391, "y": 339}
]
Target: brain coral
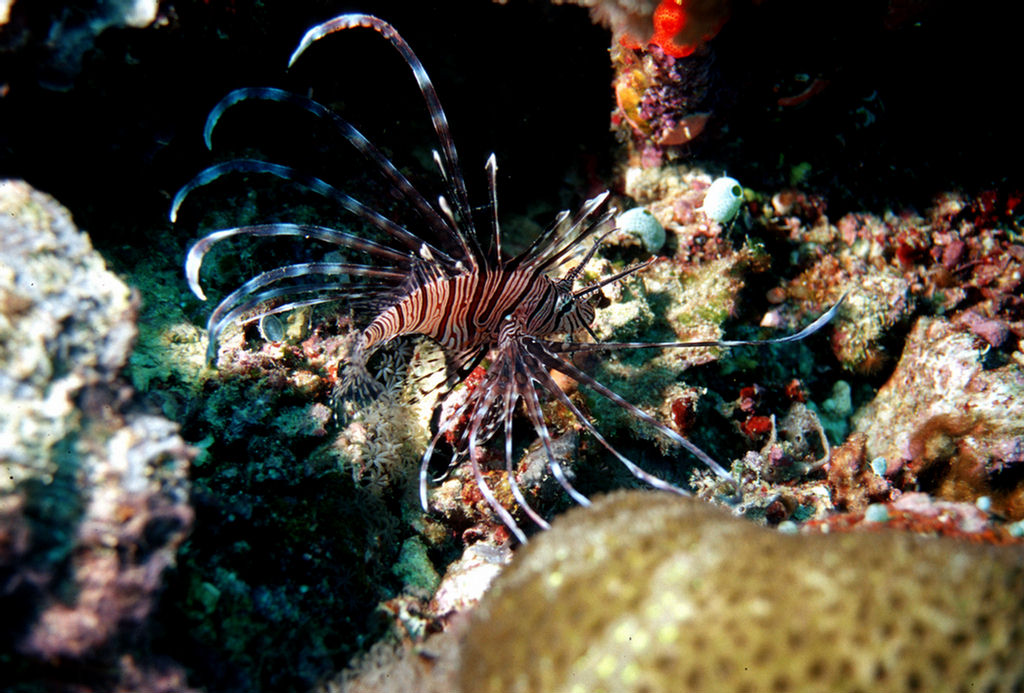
[{"x": 651, "y": 592}]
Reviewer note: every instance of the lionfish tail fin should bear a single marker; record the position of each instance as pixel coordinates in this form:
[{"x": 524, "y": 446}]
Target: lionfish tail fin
[{"x": 357, "y": 384}]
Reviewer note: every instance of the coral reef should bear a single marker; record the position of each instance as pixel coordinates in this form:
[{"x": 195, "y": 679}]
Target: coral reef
[
  {"x": 877, "y": 301},
  {"x": 307, "y": 542},
  {"x": 669, "y": 301},
  {"x": 890, "y": 268},
  {"x": 921, "y": 514},
  {"x": 289, "y": 508},
  {"x": 853, "y": 482},
  {"x": 780, "y": 480},
  {"x": 646, "y": 591},
  {"x": 962, "y": 258},
  {"x": 426, "y": 657},
  {"x": 949, "y": 423},
  {"x": 675, "y": 196},
  {"x": 94, "y": 496}
]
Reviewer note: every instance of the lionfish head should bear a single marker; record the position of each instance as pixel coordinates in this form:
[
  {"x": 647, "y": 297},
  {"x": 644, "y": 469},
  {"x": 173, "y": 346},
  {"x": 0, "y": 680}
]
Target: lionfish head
[{"x": 571, "y": 312}]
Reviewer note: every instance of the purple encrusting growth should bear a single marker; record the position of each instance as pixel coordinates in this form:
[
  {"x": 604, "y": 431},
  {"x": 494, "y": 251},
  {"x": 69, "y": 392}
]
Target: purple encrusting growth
[{"x": 680, "y": 87}]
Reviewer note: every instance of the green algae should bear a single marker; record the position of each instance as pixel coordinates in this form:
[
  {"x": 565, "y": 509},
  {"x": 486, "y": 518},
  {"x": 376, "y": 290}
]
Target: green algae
[
  {"x": 415, "y": 569},
  {"x": 170, "y": 350},
  {"x": 670, "y": 301}
]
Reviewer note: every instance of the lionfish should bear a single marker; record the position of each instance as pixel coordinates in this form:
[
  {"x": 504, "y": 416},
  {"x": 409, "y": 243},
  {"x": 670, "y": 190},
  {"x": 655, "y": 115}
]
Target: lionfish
[{"x": 514, "y": 315}]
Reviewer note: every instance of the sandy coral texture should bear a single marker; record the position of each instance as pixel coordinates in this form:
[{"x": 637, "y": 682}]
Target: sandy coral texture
[{"x": 650, "y": 592}]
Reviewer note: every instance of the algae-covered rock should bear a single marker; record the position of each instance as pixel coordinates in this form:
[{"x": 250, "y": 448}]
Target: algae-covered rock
[
  {"x": 668, "y": 302},
  {"x": 94, "y": 494},
  {"x": 949, "y": 422},
  {"x": 66, "y": 324},
  {"x": 647, "y": 591}
]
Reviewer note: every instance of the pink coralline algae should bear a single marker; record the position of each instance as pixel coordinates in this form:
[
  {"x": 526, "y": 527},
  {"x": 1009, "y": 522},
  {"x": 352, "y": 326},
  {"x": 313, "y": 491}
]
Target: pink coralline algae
[
  {"x": 947, "y": 423},
  {"x": 961, "y": 259}
]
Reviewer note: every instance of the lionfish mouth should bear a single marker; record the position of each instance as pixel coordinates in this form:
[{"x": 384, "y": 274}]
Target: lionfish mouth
[{"x": 437, "y": 277}]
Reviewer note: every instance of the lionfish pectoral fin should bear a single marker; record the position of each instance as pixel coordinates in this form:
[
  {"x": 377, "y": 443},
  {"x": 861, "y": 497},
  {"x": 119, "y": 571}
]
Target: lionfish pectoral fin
[
  {"x": 552, "y": 387},
  {"x": 541, "y": 350},
  {"x": 588, "y": 347},
  {"x": 459, "y": 363}
]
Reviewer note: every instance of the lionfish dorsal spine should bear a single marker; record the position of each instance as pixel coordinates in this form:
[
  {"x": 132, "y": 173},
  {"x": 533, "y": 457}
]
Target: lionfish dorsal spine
[
  {"x": 491, "y": 167},
  {"x": 363, "y": 146},
  {"x": 453, "y": 179}
]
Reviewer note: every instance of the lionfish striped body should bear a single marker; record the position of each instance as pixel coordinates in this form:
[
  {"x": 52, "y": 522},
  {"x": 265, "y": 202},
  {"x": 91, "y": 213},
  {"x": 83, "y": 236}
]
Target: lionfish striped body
[
  {"x": 466, "y": 313},
  {"x": 439, "y": 282}
]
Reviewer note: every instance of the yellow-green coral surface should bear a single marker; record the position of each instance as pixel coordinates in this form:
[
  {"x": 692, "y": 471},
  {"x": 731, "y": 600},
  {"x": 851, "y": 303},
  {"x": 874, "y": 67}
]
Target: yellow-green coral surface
[{"x": 646, "y": 591}]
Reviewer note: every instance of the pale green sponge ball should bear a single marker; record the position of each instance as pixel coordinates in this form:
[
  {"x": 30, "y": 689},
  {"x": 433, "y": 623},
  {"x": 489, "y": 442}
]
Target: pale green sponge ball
[
  {"x": 641, "y": 223},
  {"x": 723, "y": 199}
]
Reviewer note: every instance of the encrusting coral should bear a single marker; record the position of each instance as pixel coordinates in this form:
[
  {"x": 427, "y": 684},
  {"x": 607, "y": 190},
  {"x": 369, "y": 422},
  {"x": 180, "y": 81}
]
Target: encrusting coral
[
  {"x": 651, "y": 592},
  {"x": 949, "y": 423},
  {"x": 94, "y": 494}
]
